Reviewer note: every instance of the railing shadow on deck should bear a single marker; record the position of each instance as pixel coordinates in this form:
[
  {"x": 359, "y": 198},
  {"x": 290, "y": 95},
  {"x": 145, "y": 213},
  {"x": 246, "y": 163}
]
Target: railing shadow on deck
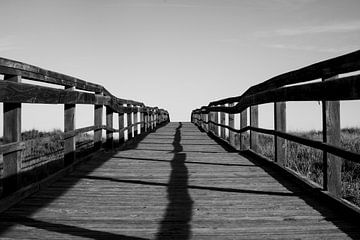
[
  {"x": 97, "y": 160},
  {"x": 309, "y": 197}
]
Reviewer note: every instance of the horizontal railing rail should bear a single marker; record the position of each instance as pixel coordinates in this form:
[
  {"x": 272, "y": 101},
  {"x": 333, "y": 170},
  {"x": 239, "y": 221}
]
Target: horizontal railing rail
[
  {"x": 292, "y": 86},
  {"x": 13, "y": 92}
]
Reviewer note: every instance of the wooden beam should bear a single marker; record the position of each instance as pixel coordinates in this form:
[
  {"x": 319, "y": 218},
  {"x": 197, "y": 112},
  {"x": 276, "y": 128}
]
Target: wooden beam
[
  {"x": 98, "y": 115},
  {"x": 109, "y": 124},
  {"x": 69, "y": 125},
  {"x": 12, "y": 133},
  {"x": 121, "y": 126},
  {"x": 280, "y": 125},
  {"x": 222, "y": 121},
  {"x": 243, "y": 123},
  {"x": 232, "y": 125},
  {"x": 331, "y": 135},
  {"x": 129, "y": 123},
  {"x": 254, "y": 122}
]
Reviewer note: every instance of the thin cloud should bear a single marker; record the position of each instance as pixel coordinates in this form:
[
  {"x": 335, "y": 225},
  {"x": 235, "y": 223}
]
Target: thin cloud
[
  {"x": 312, "y": 48},
  {"x": 6, "y": 44},
  {"x": 346, "y": 27}
]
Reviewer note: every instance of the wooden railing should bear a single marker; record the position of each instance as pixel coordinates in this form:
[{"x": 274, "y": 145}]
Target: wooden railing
[
  {"x": 329, "y": 89},
  {"x": 13, "y": 93}
]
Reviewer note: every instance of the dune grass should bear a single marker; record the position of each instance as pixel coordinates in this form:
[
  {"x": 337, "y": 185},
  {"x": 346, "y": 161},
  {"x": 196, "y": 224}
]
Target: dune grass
[{"x": 307, "y": 161}]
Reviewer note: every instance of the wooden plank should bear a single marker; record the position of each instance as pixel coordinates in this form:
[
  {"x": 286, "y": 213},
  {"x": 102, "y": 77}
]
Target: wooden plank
[
  {"x": 222, "y": 121},
  {"x": 198, "y": 192},
  {"x": 13, "y": 92},
  {"x": 121, "y": 126},
  {"x": 331, "y": 135},
  {"x": 232, "y": 125},
  {"x": 342, "y": 64},
  {"x": 12, "y": 147},
  {"x": 243, "y": 124},
  {"x": 254, "y": 122},
  {"x": 347, "y": 88},
  {"x": 109, "y": 124},
  {"x": 280, "y": 125},
  {"x": 47, "y": 76},
  {"x": 137, "y": 126},
  {"x": 69, "y": 125},
  {"x": 217, "y": 133},
  {"x": 129, "y": 123},
  {"x": 98, "y": 116},
  {"x": 11, "y": 180}
]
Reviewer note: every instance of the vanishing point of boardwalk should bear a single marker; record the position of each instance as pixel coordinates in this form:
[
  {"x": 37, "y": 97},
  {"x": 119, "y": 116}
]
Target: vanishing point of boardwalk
[{"x": 177, "y": 183}]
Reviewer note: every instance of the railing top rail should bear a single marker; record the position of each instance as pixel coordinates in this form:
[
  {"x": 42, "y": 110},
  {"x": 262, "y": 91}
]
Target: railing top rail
[
  {"x": 12, "y": 67},
  {"x": 343, "y": 64}
]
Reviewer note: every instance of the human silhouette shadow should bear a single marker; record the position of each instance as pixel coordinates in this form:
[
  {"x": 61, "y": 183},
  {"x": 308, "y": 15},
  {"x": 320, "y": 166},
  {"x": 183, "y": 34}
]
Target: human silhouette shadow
[{"x": 176, "y": 221}]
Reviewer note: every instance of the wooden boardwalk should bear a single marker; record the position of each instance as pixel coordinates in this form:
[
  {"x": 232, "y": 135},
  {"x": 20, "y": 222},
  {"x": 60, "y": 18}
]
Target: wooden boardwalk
[{"x": 177, "y": 183}]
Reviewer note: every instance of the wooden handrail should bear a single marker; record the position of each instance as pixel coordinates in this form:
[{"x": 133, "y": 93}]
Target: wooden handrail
[
  {"x": 280, "y": 89},
  {"x": 13, "y": 93}
]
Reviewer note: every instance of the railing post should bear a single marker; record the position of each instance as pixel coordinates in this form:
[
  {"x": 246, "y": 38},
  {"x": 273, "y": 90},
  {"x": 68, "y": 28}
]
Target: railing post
[
  {"x": 280, "y": 125},
  {"x": 216, "y": 126},
  {"x": 243, "y": 123},
  {"x": 69, "y": 125},
  {"x": 121, "y": 128},
  {"x": 98, "y": 115},
  {"x": 129, "y": 123},
  {"x": 136, "y": 127},
  {"x": 232, "y": 125},
  {"x": 109, "y": 124},
  {"x": 222, "y": 121},
  {"x": 12, "y": 133},
  {"x": 142, "y": 119},
  {"x": 254, "y": 122},
  {"x": 209, "y": 124},
  {"x": 331, "y": 134},
  {"x": 146, "y": 119}
]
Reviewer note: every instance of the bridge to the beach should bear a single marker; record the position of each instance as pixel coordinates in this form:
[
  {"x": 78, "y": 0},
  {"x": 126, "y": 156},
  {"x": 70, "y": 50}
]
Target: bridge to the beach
[{"x": 150, "y": 178}]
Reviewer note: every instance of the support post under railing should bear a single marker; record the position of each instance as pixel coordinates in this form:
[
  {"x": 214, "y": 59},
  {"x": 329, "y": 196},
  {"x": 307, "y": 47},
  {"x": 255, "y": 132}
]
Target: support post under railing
[
  {"x": 216, "y": 130},
  {"x": 146, "y": 119},
  {"x": 232, "y": 125},
  {"x": 136, "y": 127},
  {"x": 222, "y": 121},
  {"x": 121, "y": 126},
  {"x": 243, "y": 123},
  {"x": 210, "y": 125},
  {"x": 129, "y": 123},
  {"x": 254, "y": 122},
  {"x": 142, "y": 120},
  {"x": 98, "y": 115},
  {"x": 109, "y": 124},
  {"x": 69, "y": 125},
  {"x": 331, "y": 134},
  {"x": 12, "y": 133},
  {"x": 280, "y": 125}
]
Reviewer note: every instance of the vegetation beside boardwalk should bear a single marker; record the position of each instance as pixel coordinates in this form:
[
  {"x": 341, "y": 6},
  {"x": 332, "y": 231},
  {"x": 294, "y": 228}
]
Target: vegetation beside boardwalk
[
  {"x": 307, "y": 161},
  {"x": 44, "y": 153}
]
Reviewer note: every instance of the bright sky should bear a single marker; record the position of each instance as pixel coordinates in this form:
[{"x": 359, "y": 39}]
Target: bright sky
[{"x": 177, "y": 54}]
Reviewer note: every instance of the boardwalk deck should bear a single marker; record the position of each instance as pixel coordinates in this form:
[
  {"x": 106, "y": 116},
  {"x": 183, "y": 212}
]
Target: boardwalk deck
[{"x": 177, "y": 183}]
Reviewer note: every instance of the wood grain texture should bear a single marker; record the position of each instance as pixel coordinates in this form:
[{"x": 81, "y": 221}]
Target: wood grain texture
[
  {"x": 331, "y": 135},
  {"x": 342, "y": 64},
  {"x": 280, "y": 125},
  {"x": 177, "y": 183},
  {"x": 12, "y": 133}
]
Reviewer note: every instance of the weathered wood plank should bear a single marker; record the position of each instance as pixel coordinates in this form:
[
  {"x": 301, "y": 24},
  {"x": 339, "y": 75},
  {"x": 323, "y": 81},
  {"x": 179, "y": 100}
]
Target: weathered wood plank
[
  {"x": 254, "y": 122},
  {"x": 11, "y": 133},
  {"x": 331, "y": 135},
  {"x": 342, "y": 64},
  {"x": 69, "y": 125},
  {"x": 184, "y": 186},
  {"x": 280, "y": 125}
]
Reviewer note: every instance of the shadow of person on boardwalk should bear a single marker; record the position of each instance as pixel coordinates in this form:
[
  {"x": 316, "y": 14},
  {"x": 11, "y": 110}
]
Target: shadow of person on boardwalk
[{"x": 176, "y": 221}]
